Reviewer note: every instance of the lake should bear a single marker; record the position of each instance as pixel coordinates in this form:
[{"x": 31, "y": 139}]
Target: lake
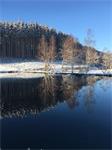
[{"x": 62, "y": 111}]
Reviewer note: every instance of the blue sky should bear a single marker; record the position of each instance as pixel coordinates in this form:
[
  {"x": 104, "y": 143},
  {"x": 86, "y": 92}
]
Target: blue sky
[{"x": 69, "y": 16}]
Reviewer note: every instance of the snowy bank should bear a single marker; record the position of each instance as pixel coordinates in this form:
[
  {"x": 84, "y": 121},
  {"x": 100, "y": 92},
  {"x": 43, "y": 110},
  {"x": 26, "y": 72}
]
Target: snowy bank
[
  {"x": 21, "y": 75},
  {"x": 24, "y": 68}
]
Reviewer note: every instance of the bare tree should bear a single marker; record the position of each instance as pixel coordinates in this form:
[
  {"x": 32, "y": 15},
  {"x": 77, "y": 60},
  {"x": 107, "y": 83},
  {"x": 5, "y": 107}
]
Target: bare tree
[
  {"x": 68, "y": 52},
  {"x": 43, "y": 52},
  {"x": 89, "y": 42},
  {"x": 107, "y": 59},
  {"x": 52, "y": 51}
]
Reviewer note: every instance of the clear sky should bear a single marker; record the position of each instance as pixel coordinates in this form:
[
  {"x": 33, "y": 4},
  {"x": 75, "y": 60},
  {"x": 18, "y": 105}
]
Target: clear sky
[{"x": 69, "y": 16}]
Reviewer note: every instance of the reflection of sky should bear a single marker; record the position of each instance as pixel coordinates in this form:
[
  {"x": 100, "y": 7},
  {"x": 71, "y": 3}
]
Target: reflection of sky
[{"x": 100, "y": 100}]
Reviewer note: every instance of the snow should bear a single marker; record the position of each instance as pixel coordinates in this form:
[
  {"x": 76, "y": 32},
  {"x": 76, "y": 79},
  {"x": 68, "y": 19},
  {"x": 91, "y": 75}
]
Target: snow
[
  {"x": 36, "y": 69},
  {"x": 21, "y": 67},
  {"x": 21, "y": 75},
  {"x": 100, "y": 72}
]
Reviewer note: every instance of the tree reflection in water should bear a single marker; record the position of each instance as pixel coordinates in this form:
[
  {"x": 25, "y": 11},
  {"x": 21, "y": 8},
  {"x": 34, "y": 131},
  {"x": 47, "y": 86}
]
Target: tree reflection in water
[{"x": 20, "y": 97}]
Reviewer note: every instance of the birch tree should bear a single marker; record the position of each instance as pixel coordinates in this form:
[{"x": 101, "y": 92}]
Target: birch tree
[{"x": 89, "y": 42}]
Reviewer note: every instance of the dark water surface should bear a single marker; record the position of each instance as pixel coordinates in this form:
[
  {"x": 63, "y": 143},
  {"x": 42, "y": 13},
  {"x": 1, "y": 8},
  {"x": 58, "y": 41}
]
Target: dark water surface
[{"x": 56, "y": 112}]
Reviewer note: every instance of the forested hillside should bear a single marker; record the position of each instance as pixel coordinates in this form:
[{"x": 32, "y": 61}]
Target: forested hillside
[{"x": 22, "y": 40}]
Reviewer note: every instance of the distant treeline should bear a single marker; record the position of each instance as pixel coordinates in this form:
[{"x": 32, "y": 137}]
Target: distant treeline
[{"x": 22, "y": 40}]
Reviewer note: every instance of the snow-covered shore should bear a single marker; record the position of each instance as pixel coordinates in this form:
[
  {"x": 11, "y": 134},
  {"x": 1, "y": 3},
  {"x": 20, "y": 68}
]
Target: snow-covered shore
[
  {"x": 24, "y": 69},
  {"x": 21, "y": 75}
]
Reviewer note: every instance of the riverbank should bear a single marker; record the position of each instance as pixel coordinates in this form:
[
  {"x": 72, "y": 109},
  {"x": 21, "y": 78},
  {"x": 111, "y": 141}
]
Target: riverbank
[{"x": 31, "y": 67}]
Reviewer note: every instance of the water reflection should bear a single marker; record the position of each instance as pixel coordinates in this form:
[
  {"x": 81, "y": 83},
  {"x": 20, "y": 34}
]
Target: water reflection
[
  {"x": 20, "y": 97},
  {"x": 79, "y": 116}
]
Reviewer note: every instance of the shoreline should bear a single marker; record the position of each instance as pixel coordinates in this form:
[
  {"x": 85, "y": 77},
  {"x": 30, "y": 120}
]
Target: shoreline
[
  {"x": 41, "y": 74},
  {"x": 34, "y": 68}
]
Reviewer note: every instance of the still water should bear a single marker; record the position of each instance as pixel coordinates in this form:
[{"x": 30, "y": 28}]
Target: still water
[{"x": 60, "y": 111}]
